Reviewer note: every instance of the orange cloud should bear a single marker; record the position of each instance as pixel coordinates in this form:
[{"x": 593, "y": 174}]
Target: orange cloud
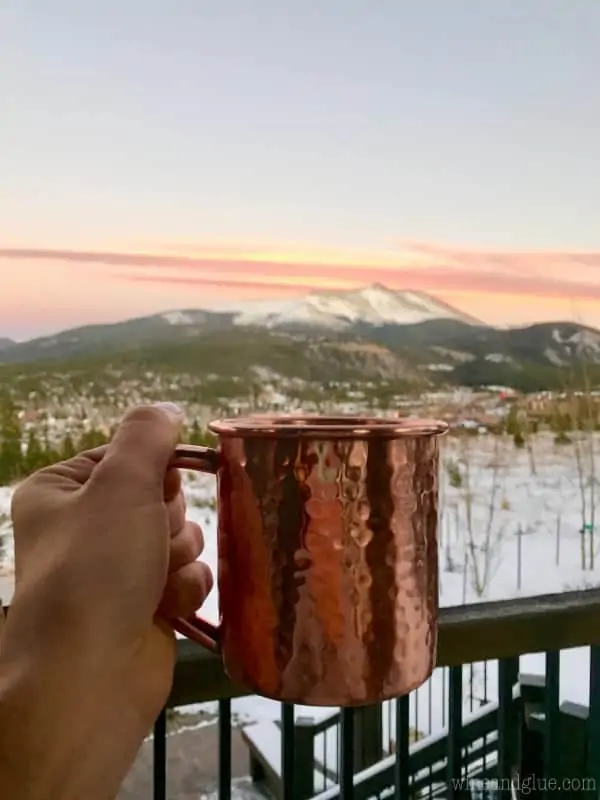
[
  {"x": 507, "y": 259},
  {"x": 279, "y": 286},
  {"x": 418, "y": 266},
  {"x": 430, "y": 280}
]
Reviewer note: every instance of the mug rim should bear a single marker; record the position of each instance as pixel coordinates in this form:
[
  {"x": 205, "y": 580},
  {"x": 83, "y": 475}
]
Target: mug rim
[{"x": 318, "y": 426}]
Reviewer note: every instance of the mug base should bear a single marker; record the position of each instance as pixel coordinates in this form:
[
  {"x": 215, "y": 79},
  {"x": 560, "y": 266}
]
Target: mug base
[{"x": 319, "y": 698}]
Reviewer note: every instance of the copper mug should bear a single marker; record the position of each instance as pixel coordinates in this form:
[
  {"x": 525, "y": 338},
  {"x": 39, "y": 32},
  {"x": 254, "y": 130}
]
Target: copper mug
[{"x": 328, "y": 559}]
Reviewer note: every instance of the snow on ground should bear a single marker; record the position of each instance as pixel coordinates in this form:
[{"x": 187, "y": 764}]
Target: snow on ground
[{"x": 524, "y": 510}]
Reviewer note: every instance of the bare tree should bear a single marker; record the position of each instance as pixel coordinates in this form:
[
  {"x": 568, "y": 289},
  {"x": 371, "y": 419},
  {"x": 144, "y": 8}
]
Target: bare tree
[
  {"x": 522, "y": 429},
  {"x": 583, "y": 415},
  {"x": 482, "y": 541},
  {"x": 451, "y": 477},
  {"x": 583, "y": 498},
  {"x": 529, "y": 429}
]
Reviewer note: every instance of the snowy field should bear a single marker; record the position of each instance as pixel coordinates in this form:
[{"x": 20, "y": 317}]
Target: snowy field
[{"x": 523, "y": 509}]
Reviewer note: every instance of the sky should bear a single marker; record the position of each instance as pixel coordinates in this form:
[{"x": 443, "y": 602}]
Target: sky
[{"x": 201, "y": 154}]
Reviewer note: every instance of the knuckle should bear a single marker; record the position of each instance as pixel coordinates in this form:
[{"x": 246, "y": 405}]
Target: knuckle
[
  {"x": 176, "y": 511},
  {"x": 186, "y": 548},
  {"x": 198, "y": 536},
  {"x": 93, "y": 455},
  {"x": 20, "y": 497},
  {"x": 189, "y": 550},
  {"x": 207, "y": 577},
  {"x": 172, "y": 485},
  {"x": 26, "y": 498},
  {"x": 120, "y": 469},
  {"x": 193, "y": 542},
  {"x": 34, "y": 504}
]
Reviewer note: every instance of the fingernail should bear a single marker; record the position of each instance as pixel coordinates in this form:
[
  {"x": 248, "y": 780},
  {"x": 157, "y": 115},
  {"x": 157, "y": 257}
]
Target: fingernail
[{"x": 171, "y": 409}]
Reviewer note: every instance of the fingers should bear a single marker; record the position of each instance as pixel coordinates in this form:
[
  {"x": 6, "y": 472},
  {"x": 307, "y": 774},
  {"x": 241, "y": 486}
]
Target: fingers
[
  {"x": 176, "y": 512},
  {"x": 95, "y": 455},
  {"x": 172, "y": 484},
  {"x": 189, "y": 581},
  {"x": 186, "y": 590},
  {"x": 186, "y": 546},
  {"x": 142, "y": 447},
  {"x": 76, "y": 470},
  {"x": 64, "y": 476},
  {"x": 50, "y": 483}
]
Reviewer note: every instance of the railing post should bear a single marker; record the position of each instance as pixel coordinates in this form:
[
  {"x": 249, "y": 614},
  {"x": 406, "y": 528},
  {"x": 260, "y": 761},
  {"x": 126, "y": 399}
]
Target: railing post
[
  {"x": 456, "y": 789},
  {"x": 304, "y": 772},
  {"x": 159, "y": 761},
  {"x": 402, "y": 766},
  {"x": 288, "y": 752},
  {"x": 224, "y": 749},
  {"x": 368, "y": 736},
  {"x": 532, "y": 726},
  {"x": 552, "y": 755},
  {"x": 346, "y": 743},
  {"x": 508, "y": 723}
]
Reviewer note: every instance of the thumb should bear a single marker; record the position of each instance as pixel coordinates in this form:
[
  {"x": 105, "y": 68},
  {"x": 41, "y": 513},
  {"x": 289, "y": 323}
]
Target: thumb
[{"x": 143, "y": 443}]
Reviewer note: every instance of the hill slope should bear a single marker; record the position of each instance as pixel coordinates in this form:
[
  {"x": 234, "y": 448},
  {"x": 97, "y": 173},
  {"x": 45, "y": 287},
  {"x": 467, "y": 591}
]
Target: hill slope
[
  {"x": 316, "y": 313},
  {"x": 349, "y": 336}
]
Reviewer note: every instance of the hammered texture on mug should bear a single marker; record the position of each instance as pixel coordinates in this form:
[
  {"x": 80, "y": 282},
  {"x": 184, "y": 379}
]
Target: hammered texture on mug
[{"x": 328, "y": 566}]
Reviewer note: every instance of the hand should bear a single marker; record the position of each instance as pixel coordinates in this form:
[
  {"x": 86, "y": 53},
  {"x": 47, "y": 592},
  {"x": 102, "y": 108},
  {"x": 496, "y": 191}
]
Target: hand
[{"x": 103, "y": 556}]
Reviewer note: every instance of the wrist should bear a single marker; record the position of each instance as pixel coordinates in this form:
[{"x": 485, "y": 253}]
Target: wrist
[
  {"x": 50, "y": 751},
  {"x": 30, "y": 762},
  {"x": 38, "y": 758}
]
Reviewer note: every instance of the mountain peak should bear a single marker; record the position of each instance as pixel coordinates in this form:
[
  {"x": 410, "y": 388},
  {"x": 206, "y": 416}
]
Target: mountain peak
[
  {"x": 374, "y": 304},
  {"x": 378, "y": 287},
  {"x": 375, "y": 289}
]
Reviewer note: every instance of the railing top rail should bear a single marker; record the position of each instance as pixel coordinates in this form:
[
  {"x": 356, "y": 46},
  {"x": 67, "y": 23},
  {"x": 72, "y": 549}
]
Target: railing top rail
[{"x": 467, "y": 634}]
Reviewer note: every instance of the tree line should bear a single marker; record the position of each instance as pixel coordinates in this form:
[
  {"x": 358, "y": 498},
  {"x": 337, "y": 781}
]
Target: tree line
[{"x": 23, "y": 451}]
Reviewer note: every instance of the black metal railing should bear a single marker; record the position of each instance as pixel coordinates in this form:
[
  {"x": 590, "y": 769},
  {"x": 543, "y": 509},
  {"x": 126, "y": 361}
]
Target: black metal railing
[
  {"x": 514, "y": 741},
  {"x": 510, "y": 737}
]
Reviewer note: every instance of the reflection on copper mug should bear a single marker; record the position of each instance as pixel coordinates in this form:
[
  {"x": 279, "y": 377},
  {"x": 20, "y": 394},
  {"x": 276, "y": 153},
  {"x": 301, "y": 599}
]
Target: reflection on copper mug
[{"x": 328, "y": 574}]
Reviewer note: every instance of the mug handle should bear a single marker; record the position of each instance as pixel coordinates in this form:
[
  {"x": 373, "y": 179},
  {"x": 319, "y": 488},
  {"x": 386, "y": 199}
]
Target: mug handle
[{"x": 199, "y": 459}]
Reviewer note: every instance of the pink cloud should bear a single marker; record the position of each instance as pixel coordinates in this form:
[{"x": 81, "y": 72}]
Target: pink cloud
[
  {"x": 428, "y": 280},
  {"x": 513, "y": 260},
  {"x": 433, "y": 268},
  {"x": 53, "y": 289},
  {"x": 180, "y": 280}
]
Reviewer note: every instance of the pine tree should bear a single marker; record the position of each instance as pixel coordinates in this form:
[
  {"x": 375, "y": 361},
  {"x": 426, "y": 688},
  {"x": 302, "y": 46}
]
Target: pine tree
[
  {"x": 11, "y": 455},
  {"x": 67, "y": 448},
  {"x": 35, "y": 455},
  {"x": 195, "y": 434},
  {"x": 91, "y": 439},
  {"x": 513, "y": 426}
]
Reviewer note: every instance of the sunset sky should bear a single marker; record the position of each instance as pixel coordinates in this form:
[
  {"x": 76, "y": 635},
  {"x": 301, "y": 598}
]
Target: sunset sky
[{"x": 198, "y": 154}]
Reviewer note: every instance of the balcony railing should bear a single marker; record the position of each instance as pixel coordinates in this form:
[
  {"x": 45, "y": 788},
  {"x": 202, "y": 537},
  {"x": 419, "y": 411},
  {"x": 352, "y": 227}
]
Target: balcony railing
[
  {"x": 521, "y": 737},
  {"x": 508, "y": 736}
]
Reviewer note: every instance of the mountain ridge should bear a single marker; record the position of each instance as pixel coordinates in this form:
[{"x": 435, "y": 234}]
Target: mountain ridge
[
  {"x": 375, "y": 304},
  {"x": 333, "y": 338}
]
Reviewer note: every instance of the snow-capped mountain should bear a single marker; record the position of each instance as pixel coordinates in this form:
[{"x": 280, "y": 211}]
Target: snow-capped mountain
[
  {"x": 185, "y": 317},
  {"x": 374, "y": 331},
  {"x": 373, "y": 305}
]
